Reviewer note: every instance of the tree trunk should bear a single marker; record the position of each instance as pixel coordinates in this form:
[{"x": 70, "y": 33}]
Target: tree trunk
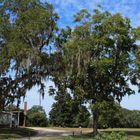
[
  {"x": 95, "y": 123},
  {"x": 95, "y": 116},
  {"x": 2, "y": 102}
]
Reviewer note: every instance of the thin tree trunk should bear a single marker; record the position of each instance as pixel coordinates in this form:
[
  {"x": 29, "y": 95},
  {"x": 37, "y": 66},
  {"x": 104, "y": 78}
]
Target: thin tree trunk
[
  {"x": 2, "y": 102},
  {"x": 95, "y": 123}
]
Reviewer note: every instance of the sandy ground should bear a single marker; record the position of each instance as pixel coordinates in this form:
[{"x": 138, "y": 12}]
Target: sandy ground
[{"x": 43, "y": 133}]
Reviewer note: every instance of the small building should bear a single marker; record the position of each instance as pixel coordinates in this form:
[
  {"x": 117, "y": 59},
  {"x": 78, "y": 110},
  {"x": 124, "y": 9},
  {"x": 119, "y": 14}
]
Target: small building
[{"x": 11, "y": 119}]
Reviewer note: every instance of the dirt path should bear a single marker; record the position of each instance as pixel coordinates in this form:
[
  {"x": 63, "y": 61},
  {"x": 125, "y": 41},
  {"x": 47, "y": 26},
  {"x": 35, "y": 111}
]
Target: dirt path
[{"x": 44, "y": 133}]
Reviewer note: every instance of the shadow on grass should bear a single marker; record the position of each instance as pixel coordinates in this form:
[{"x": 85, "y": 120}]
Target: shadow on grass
[
  {"x": 129, "y": 132},
  {"x": 16, "y": 132},
  {"x": 133, "y": 133}
]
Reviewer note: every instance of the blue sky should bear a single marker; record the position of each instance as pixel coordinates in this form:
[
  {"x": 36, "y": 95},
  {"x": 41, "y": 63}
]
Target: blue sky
[{"x": 66, "y": 9}]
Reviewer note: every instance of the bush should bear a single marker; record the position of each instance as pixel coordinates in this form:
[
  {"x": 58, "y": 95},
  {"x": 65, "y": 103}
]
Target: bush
[
  {"x": 102, "y": 136},
  {"x": 111, "y": 136}
]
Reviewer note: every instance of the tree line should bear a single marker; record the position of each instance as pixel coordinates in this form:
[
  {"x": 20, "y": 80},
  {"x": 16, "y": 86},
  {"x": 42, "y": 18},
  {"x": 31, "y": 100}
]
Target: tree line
[
  {"x": 63, "y": 116},
  {"x": 95, "y": 61}
]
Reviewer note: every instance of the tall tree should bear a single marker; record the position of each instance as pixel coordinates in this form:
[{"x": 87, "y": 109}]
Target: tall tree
[
  {"x": 27, "y": 32},
  {"x": 61, "y": 112},
  {"x": 99, "y": 54},
  {"x": 67, "y": 111}
]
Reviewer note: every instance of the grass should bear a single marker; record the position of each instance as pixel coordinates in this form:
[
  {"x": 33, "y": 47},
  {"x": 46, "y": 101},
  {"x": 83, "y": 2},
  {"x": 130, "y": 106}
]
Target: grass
[
  {"x": 132, "y": 134},
  {"x": 6, "y": 133}
]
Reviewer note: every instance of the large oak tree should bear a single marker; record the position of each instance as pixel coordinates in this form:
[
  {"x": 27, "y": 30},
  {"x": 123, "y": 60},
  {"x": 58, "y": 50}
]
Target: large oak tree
[
  {"x": 27, "y": 32},
  {"x": 99, "y": 55}
]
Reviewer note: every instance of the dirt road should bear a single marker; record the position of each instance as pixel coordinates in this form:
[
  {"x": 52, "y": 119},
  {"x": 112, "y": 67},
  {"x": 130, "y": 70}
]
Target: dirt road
[{"x": 44, "y": 133}]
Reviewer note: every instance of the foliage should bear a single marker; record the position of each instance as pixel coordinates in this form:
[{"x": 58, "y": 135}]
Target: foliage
[
  {"x": 135, "y": 74},
  {"x": 130, "y": 119},
  {"x": 111, "y": 114},
  {"x": 81, "y": 119},
  {"x": 61, "y": 113},
  {"x": 7, "y": 92},
  {"x": 111, "y": 136},
  {"x": 102, "y": 136},
  {"x": 12, "y": 107},
  {"x": 98, "y": 55},
  {"x": 36, "y": 116},
  {"x": 67, "y": 112}
]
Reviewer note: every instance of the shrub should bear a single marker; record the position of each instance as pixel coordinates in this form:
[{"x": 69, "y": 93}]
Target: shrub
[
  {"x": 102, "y": 136},
  {"x": 111, "y": 136}
]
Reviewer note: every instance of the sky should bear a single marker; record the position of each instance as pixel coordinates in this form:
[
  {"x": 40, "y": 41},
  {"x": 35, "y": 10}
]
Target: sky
[{"x": 66, "y": 9}]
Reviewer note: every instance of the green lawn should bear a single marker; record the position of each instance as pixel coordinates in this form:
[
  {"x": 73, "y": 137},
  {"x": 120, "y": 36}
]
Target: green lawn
[{"x": 6, "y": 133}]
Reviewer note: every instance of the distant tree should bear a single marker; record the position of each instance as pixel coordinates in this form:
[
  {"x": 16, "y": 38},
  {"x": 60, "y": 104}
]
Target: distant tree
[
  {"x": 68, "y": 112},
  {"x": 110, "y": 115},
  {"x": 61, "y": 112},
  {"x": 130, "y": 118},
  {"x": 36, "y": 116},
  {"x": 82, "y": 117}
]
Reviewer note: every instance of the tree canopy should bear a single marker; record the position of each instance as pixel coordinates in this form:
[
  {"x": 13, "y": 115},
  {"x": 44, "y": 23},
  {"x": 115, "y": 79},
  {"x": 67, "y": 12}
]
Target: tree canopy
[
  {"x": 98, "y": 55},
  {"x": 27, "y": 32}
]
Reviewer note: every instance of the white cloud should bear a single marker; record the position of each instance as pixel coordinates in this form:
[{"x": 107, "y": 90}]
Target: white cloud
[{"x": 67, "y": 8}]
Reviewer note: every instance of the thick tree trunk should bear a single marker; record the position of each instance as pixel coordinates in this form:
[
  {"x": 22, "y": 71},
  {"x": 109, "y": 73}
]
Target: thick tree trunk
[{"x": 95, "y": 120}]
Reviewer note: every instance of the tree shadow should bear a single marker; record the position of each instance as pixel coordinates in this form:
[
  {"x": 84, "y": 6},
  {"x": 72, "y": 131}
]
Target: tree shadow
[
  {"x": 133, "y": 133},
  {"x": 16, "y": 132}
]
